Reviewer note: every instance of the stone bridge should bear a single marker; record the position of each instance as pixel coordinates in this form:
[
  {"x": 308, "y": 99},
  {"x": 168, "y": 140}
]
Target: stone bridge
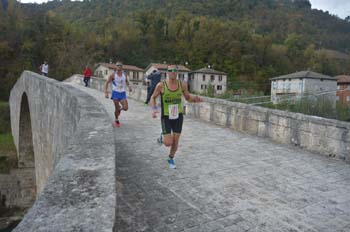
[{"x": 240, "y": 168}]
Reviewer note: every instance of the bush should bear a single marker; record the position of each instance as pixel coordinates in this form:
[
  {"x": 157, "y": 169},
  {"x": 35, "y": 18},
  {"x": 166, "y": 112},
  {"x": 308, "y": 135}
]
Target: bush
[
  {"x": 321, "y": 107},
  {"x": 5, "y": 120}
]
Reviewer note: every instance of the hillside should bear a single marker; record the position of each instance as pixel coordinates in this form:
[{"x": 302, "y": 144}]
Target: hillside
[
  {"x": 277, "y": 18},
  {"x": 251, "y": 40}
]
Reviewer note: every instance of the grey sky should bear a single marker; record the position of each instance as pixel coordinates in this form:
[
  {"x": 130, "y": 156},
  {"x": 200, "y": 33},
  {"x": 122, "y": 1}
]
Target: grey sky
[{"x": 337, "y": 7}]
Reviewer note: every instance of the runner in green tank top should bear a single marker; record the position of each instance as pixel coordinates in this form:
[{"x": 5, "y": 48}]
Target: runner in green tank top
[{"x": 171, "y": 91}]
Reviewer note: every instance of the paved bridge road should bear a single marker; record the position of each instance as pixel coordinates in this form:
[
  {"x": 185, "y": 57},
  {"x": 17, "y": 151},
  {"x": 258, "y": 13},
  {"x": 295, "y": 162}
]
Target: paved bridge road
[{"x": 225, "y": 181}]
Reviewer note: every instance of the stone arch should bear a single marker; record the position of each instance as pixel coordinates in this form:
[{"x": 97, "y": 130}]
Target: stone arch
[
  {"x": 25, "y": 140},
  {"x": 25, "y": 152}
]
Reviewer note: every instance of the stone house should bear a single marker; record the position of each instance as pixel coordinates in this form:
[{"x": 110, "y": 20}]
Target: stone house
[
  {"x": 134, "y": 74},
  {"x": 294, "y": 86},
  {"x": 200, "y": 79}
]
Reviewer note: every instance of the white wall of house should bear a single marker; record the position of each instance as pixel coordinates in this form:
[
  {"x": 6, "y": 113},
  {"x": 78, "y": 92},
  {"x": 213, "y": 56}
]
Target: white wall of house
[
  {"x": 181, "y": 74},
  {"x": 135, "y": 77},
  {"x": 102, "y": 72},
  {"x": 291, "y": 89},
  {"x": 199, "y": 82}
]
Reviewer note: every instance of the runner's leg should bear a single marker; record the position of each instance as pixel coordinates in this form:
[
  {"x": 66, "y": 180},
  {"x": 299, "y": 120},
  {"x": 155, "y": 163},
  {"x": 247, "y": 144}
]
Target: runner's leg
[
  {"x": 175, "y": 144},
  {"x": 125, "y": 105},
  {"x": 117, "y": 109}
]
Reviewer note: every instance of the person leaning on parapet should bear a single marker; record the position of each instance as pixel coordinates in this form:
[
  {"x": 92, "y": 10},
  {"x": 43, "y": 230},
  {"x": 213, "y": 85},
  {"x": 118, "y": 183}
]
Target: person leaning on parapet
[
  {"x": 155, "y": 79},
  {"x": 171, "y": 91},
  {"x": 44, "y": 68},
  {"x": 119, "y": 83},
  {"x": 87, "y": 76}
]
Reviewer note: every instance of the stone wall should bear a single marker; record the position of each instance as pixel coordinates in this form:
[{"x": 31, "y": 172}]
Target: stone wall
[
  {"x": 17, "y": 188},
  {"x": 74, "y": 155},
  {"x": 325, "y": 136}
]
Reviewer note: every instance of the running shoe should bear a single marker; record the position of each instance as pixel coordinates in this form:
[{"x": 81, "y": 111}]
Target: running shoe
[
  {"x": 117, "y": 123},
  {"x": 171, "y": 163}
]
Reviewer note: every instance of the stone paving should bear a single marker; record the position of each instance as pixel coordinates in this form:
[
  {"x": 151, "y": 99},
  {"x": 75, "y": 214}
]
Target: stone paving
[{"x": 225, "y": 181}]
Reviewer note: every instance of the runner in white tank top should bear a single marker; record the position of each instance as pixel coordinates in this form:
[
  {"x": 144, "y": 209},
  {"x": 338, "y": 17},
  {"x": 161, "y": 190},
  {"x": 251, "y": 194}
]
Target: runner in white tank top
[{"x": 119, "y": 83}]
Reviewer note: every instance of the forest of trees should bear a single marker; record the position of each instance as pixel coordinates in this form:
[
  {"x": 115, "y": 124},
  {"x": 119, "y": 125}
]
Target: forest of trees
[{"x": 251, "y": 40}]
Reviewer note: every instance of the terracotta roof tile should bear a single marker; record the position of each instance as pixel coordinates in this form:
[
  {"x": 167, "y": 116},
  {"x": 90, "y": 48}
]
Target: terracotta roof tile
[{"x": 343, "y": 79}]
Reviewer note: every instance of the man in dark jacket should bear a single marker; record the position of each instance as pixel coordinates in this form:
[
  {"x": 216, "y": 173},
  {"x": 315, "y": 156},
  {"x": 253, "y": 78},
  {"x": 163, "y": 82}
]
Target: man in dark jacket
[{"x": 154, "y": 79}]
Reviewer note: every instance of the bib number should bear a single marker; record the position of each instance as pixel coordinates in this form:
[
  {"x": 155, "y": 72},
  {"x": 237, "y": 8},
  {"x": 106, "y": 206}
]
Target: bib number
[
  {"x": 120, "y": 88},
  {"x": 173, "y": 111}
]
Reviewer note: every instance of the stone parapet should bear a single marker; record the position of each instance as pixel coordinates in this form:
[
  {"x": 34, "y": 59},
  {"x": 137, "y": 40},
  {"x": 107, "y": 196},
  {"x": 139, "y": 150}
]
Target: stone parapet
[{"x": 74, "y": 156}]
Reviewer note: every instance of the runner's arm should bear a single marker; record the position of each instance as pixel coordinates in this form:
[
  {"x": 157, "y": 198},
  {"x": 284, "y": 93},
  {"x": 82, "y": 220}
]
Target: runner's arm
[
  {"x": 155, "y": 94},
  {"x": 128, "y": 83},
  {"x": 187, "y": 95},
  {"x": 107, "y": 83}
]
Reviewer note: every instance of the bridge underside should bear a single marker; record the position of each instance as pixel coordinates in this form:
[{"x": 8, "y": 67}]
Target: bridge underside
[{"x": 225, "y": 181}]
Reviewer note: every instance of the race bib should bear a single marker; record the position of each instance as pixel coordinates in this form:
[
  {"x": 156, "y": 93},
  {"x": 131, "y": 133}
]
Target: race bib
[
  {"x": 120, "y": 88},
  {"x": 173, "y": 111}
]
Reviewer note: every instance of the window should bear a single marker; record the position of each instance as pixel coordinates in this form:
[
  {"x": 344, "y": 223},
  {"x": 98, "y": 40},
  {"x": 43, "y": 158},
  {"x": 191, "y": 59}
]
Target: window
[
  {"x": 338, "y": 87},
  {"x": 274, "y": 85},
  {"x": 220, "y": 78},
  {"x": 212, "y": 77},
  {"x": 300, "y": 85},
  {"x": 106, "y": 72},
  {"x": 219, "y": 87},
  {"x": 202, "y": 86},
  {"x": 348, "y": 98},
  {"x": 203, "y": 77}
]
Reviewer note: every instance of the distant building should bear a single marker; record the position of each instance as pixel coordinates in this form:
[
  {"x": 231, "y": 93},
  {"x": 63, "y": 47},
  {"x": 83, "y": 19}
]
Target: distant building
[
  {"x": 135, "y": 74},
  {"x": 296, "y": 85},
  {"x": 343, "y": 89},
  {"x": 162, "y": 68},
  {"x": 200, "y": 79}
]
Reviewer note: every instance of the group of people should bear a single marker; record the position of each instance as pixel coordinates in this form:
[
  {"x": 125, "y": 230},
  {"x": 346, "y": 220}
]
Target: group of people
[
  {"x": 171, "y": 91},
  {"x": 44, "y": 68}
]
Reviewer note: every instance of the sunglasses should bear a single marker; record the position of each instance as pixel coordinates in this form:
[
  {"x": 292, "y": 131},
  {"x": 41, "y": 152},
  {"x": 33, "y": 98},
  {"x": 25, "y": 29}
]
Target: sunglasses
[
  {"x": 119, "y": 65},
  {"x": 172, "y": 70}
]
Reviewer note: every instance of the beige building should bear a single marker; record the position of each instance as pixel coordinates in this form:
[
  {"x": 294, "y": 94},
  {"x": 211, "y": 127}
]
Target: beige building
[
  {"x": 294, "y": 86},
  {"x": 200, "y": 80},
  {"x": 134, "y": 74},
  {"x": 162, "y": 68}
]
